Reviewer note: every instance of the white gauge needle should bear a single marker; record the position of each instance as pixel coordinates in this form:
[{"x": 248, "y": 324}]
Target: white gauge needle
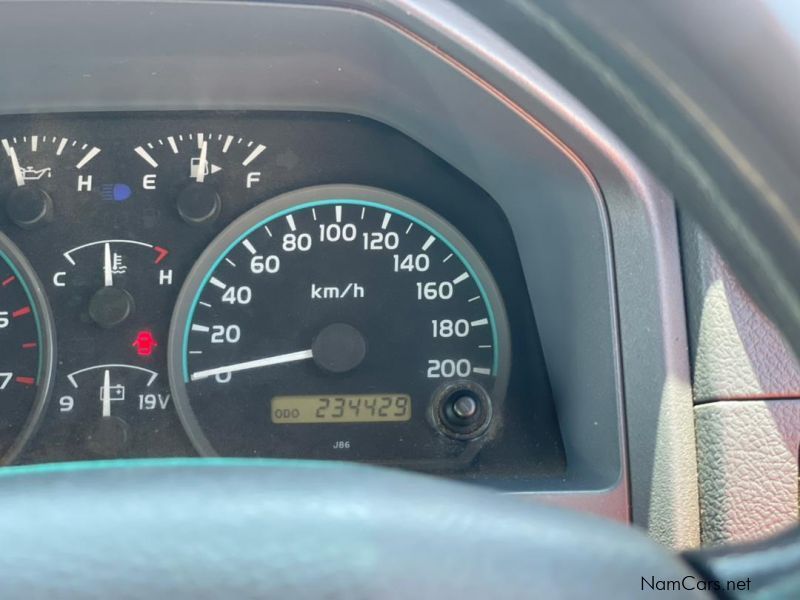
[
  {"x": 105, "y": 393},
  {"x": 108, "y": 271},
  {"x": 201, "y": 168},
  {"x": 15, "y": 165},
  {"x": 255, "y": 364}
]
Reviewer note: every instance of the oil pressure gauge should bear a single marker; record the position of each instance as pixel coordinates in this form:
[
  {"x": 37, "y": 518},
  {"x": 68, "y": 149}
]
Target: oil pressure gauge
[{"x": 38, "y": 173}]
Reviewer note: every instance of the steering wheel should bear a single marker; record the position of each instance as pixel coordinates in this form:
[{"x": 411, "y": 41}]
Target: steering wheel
[{"x": 255, "y": 528}]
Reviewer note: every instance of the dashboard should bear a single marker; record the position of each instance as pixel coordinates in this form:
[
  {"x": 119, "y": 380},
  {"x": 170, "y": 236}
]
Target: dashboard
[
  {"x": 327, "y": 348},
  {"x": 385, "y": 232},
  {"x": 270, "y": 284}
]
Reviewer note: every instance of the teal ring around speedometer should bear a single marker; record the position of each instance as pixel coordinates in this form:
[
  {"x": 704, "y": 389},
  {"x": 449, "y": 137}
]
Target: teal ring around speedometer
[
  {"x": 344, "y": 307},
  {"x": 384, "y": 207}
]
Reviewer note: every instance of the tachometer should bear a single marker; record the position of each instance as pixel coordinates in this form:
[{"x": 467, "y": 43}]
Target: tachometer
[
  {"x": 340, "y": 322},
  {"x": 26, "y": 350}
]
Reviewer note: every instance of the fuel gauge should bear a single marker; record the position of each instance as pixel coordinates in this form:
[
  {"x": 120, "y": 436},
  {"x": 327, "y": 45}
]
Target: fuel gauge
[{"x": 200, "y": 171}]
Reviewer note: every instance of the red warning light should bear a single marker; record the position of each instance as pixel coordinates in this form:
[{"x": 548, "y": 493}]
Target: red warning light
[{"x": 144, "y": 343}]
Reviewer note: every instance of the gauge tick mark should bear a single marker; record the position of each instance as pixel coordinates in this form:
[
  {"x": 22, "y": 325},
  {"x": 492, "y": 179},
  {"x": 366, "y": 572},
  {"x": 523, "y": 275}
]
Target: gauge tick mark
[
  {"x": 89, "y": 156},
  {"x": 146, "y": 156},
  {"x": 254, "y": 154},
  {"x": 21, "y": 312},
  {"x": 217, "y": 283}
]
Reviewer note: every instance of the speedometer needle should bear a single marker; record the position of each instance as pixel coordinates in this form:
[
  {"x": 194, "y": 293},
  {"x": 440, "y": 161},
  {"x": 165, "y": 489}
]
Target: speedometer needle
[{"x": 255, "y": 364}]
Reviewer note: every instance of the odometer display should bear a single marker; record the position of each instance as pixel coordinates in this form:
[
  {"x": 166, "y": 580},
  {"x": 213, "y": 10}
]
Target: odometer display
[
  {"x": 340, "y": 293},
  {"x": 375, "y": 408}
]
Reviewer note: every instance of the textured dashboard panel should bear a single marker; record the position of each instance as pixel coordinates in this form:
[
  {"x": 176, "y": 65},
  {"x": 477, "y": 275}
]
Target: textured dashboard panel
[
  {"x": 737, "y": 353},
  {"x": 748, "y": 465}
]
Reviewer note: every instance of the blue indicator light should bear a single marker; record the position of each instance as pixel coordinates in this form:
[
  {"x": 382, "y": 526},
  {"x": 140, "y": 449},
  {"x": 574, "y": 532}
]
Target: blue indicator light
[{"x": 115, "y": 192}]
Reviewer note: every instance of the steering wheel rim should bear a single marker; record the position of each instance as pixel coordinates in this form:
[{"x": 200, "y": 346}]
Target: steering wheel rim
[{"x": 214, "y": 528}]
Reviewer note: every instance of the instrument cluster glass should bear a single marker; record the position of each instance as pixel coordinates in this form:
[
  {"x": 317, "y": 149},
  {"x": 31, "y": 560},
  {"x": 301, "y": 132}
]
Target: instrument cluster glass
[{"x": 272, "y": 284}]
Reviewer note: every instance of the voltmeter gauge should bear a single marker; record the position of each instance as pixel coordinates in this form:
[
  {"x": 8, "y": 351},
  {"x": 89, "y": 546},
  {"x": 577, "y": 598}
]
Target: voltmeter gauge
[
  {"x": 341, "y": 322},
  {"x": 101, "y": 408},
  {"x": 26, "y": 350}
]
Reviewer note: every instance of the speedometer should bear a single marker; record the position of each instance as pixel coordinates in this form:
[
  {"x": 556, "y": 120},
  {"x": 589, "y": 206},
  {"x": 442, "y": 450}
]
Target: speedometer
[{"x": 340, "y": 322}]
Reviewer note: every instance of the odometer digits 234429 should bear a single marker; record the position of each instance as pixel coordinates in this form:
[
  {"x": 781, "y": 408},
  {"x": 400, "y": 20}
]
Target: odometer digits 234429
[{"x": 340, "y": 322}]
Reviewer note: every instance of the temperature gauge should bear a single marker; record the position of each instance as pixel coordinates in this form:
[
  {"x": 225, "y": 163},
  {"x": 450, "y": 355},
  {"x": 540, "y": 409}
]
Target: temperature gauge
[{"x": 105, "y": 276}]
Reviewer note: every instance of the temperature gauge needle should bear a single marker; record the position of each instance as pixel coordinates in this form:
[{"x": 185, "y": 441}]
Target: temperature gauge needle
[
  {"x": 255, "y": 364},
  {"x": 12, "y": 153},
  {"x": 106, "y": 393},
  {"x": 108, "y": 272}
]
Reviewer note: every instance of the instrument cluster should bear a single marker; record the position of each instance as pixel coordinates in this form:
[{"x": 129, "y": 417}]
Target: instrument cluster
[{"x": 270, "y": 284}]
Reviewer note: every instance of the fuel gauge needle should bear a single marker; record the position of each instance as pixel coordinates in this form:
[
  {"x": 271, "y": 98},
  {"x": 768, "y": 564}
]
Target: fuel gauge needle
[
  {"x": 12, "y": 153},
  {"x": 201, "y": 168},
  {"x": 108, "y": 272},
  {"x": 106, "y": 393},
  {"x": 255, "y": 364}
]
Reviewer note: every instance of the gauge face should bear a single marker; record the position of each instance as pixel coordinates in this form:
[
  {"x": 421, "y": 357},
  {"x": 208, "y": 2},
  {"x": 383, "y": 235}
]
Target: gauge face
[
  {"x": 340, "y": 322},
  {"x": 103, "y": 407},
  {"x": 110, "y": 282},
  {"x": 42, "y": 170},
  {"x": 111, "y": 404},
  {"x": 26, "y": 358},
  {"x": 200, "y": 170}
]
